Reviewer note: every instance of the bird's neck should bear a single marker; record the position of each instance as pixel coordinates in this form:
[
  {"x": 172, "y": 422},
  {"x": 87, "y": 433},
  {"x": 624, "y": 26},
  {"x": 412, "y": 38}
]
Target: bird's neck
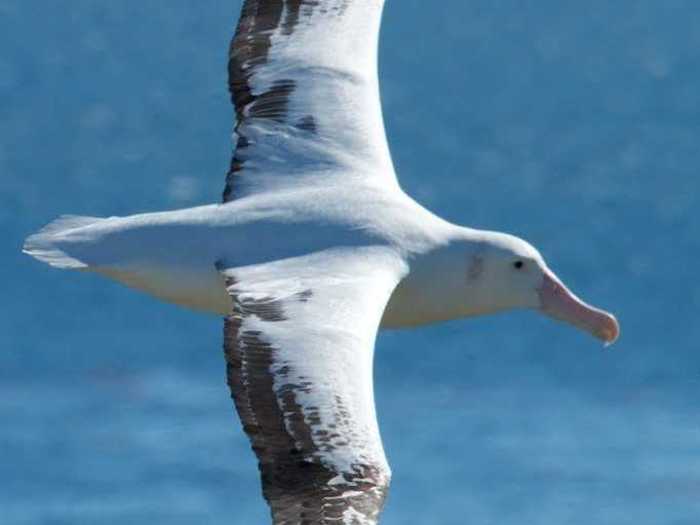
[{"x": 435, "y": 288}]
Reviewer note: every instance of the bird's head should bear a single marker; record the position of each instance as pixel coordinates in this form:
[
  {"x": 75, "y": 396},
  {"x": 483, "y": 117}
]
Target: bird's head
[{"x": 507, "y": 272}]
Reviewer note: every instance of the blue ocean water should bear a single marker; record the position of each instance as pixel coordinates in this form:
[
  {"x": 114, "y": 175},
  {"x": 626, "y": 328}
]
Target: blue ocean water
[{"x": 576, "y": 126}]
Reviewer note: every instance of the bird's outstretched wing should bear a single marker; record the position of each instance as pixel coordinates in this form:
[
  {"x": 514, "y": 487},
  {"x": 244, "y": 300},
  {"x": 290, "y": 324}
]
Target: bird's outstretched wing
[
  {"x": 299, "y": 348},
  {"x": 303, "y": 80}
]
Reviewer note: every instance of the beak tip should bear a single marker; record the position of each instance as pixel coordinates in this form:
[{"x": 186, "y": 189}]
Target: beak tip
[{"x": 610, "y": 332}]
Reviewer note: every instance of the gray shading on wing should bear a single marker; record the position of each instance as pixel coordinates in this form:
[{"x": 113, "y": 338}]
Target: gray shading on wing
[
  {"x": 299, "y": 349},
  {"x": 303, "y": 81}
]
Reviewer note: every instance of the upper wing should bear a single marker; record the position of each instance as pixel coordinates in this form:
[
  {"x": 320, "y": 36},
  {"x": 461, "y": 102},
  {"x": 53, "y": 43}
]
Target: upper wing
[
  {"x": 299, "y": 347},
  {"x": 303, "y": 80}
]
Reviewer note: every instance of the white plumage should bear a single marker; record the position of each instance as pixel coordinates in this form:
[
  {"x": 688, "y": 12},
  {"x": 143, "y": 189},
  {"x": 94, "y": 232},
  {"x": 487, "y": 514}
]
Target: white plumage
[{"x": 314, "y": 249}]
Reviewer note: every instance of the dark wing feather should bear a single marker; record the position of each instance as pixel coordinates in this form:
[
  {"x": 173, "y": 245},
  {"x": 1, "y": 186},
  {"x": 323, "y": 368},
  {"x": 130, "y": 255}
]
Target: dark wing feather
[
  {"x": 303, "y": 81},
  {"x": 298, "y": 349}
]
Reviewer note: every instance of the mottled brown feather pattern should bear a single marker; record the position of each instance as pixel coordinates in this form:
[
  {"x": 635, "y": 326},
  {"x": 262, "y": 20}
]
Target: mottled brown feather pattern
[
  {"x": 249, "y": 49},
  {"x": 299, "y": 487}
]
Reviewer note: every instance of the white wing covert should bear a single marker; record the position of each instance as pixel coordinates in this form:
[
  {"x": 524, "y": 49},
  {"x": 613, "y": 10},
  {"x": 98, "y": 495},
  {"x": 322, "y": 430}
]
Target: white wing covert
[
  {"x": 303, "y": 80},
  {"x": 299, "y": 349}
]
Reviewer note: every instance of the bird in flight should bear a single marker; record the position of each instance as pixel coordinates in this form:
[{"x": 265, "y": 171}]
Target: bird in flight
[{"x": 314, "y": 248}]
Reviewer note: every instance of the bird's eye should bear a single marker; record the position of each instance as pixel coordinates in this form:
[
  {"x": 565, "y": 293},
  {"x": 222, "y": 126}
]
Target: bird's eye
[{"x": 518, "y": 265}]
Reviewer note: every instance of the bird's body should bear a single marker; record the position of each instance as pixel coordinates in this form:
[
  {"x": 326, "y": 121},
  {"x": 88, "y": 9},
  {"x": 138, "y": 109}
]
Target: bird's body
[
  {"x": 313, "y": 250},
  {"x": 173, "y": 254}
]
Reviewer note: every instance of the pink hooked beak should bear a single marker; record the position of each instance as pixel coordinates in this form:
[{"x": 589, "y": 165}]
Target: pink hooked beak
[{"x": 557, "y": 301}]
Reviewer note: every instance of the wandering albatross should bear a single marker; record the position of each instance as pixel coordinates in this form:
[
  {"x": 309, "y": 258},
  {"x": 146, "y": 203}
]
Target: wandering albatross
[{"x": 314, "y": 248}]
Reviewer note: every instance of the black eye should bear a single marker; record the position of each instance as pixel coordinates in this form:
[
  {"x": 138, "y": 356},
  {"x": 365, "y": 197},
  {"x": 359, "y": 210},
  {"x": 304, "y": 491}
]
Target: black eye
[{"x": 518, "y": 265}]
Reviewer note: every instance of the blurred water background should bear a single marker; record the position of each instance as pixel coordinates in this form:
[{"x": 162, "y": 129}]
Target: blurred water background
[{"x": 573, "y": 124}]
